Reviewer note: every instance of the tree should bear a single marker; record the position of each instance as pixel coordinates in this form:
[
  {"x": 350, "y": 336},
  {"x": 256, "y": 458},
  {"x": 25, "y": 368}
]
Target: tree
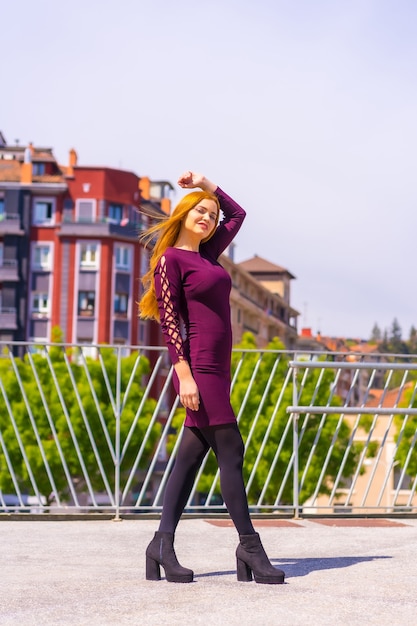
[
  {"x": 406, "y": 436},
  {"x": 412, "y": 341},
  {"x": 58, "y": 416},
  {"x": 376, "y": 334}
]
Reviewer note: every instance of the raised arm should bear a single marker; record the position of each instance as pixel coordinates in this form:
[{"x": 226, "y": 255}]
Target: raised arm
[
  {"x": 233, "y": 213},
  {"x": 228, "y": 227}
]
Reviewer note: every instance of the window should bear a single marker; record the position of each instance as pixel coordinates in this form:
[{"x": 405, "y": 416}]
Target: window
[
  {"x": 120, "y": 303},
  {"x": 2, "y": 212},
  {"x": 115, "y": 213},
  {"x": 40, "y": 302},
  {"x": 43, "y": 211},
  {"x": 86, "y": 210},
  {"x": 86, "y": 303},
  {"x": 38, "y": 169},
  {"x": 1, "y": 254},
  {"x": 41, "y": 257},
  {"x": 123, "y": 257},
  {"x": 89, "y": 255}
]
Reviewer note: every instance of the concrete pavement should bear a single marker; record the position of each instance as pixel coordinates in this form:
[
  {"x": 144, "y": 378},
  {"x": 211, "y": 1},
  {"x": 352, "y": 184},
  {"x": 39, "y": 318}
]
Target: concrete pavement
[{"x": 93, "y": 572}]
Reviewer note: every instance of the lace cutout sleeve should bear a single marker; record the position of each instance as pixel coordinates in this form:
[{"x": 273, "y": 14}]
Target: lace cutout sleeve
[{"x": 168, "y": 289}]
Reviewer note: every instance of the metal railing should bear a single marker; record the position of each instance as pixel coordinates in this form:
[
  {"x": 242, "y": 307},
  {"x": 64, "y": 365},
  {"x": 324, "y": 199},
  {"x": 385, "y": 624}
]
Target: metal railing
[{"x": 95, "y": 429}]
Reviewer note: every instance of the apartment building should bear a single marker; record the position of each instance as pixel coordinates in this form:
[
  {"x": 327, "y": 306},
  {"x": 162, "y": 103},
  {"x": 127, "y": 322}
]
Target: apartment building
[
  {"x": 260, "y": 301},
  {"x": 69, "y": 250}
]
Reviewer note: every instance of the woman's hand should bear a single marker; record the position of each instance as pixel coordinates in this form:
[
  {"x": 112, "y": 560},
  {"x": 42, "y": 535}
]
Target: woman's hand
[
  {"x": 188, "y": 392},
  {"x": 189, "y": 396},
  {"x": 191, "y": 180}
]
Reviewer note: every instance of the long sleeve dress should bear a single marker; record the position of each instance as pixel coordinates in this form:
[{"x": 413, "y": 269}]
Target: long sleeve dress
[{"x": 193, "y": 291}]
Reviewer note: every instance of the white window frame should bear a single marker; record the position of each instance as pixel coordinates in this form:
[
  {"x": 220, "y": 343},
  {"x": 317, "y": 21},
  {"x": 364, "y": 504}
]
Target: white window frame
[
  {"x": 92, "y": 250},
  {"x": 43, "y": 308},
  {"x": 42, "y": 264},
  {"x": 1, "y": 253},
  {"x": 39, "y": 220},
  {"x": 122, "y": 250}
]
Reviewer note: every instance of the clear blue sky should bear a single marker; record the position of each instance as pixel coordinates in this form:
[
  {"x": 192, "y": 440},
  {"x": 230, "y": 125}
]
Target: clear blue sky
[{"x": 304, "y": 110}]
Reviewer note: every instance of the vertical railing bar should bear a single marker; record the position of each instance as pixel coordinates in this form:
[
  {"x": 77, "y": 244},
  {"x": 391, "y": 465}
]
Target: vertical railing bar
[
  {"x": 303, "y": 428},
  {"x": 130, "y": 381},
  {"x": 265, "y": 439},
  {"x": 351, "y": 441},
  {"x": 368, "y": 439},
  {"x": 35, "y": 429},
  {"x": 117, "y": 436},
  {"x": 382, "y": 444},
  {"x": 255, "y": 422},
  {"x": 20, "y": 442},
  {"x": 151, "y": 424},
  {"x": 96, "y": 402},
  {"x": 281, "y": 444},
  {"x": 408, "y": 457},
  {"x": 51, "y": 422},
  {"x": 413, "y": 489},
  {"x": 295, "y": 418},
  {"x": 389, "y": 466},
  {"x": 320, "y": 425},
  {"x": 91, "y": 440},
  {"x": 142, "y": 404},
  {"x": 171, "y": 459},
  {"x": 267, "y": 433},
  {"x": 11, "y": 471}
]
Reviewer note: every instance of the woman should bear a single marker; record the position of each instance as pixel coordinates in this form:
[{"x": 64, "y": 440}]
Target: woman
[{"x": 186, "y": 284}]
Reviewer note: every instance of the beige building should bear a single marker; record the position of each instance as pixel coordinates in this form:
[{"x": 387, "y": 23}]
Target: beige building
[
  {"x": 260, "y": 301},
  {"x": 375, "y": 485}
]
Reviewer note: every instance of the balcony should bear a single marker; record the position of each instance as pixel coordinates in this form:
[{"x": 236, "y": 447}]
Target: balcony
[
  {"x": 8, "y": 319},
  {"x": 101, "y": 227},
  {"x": 10, "y": 224},
  {"x": 9, "y": 271}
]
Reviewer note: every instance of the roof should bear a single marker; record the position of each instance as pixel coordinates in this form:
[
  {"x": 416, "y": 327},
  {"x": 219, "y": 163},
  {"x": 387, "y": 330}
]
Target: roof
[
  {"x": 388, "y": 398},
  {"x": 9, "y": 171},
  {"x": 258, "y": 265}
]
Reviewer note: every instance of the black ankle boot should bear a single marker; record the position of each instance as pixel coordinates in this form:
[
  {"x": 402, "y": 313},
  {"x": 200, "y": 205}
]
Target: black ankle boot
[
  {"x": 161, "y": 552},
  {"x": 251, "y": 557}
]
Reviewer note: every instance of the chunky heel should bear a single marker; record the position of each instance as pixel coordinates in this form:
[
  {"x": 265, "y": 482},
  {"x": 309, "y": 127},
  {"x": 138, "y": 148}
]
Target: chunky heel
[
  {"x": 153, "y": 570},
  {"x": 161, "y": 552},
  {"x": 252, "y": 559},
  {"x": 244, "y": 572}
]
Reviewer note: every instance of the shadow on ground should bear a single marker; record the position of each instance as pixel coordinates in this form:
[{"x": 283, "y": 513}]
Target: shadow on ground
[{"x": 302, "y": 567}]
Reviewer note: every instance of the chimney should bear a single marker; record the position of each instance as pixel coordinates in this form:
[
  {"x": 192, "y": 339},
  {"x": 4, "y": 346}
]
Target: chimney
[
  {"x": 166, "y": 205},
  {"x": 306, "y": 332},
  {"x": 73, "y": 160},
  {"x": 145, "y": 188},
  {"x": 26, "y": 167}
]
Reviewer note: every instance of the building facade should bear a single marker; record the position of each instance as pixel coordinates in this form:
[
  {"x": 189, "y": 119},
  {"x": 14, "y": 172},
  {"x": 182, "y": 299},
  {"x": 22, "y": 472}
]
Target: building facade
[
  {"x": 261, "y": 307},
  {"x": 70, "y": 256}
]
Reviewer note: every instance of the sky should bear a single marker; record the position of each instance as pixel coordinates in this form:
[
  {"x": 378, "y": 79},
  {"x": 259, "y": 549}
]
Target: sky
[{"x": 304, "y": 111}]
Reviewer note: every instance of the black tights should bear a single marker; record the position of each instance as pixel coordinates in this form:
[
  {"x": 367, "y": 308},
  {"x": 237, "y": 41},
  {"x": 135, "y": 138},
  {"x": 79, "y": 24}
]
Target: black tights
[{"x": 226, "y": 443}]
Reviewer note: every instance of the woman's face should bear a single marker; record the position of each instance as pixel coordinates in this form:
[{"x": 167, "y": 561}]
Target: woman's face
[{"x": 200, "y": 221}]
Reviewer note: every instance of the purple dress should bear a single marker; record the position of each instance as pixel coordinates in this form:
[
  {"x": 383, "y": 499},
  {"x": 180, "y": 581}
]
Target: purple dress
[{"x": 193, "y": 292}]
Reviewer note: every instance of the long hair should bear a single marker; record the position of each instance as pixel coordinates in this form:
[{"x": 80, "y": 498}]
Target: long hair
[{"x": 167, "y": 232}]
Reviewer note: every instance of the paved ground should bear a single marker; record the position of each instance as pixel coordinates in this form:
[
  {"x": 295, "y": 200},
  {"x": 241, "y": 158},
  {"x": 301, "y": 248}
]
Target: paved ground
[{"x": 92, "y": 572}]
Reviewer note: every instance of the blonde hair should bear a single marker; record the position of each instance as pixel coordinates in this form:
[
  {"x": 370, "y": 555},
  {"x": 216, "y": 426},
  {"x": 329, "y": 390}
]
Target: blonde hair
[{"x": 167, "y": 231}]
